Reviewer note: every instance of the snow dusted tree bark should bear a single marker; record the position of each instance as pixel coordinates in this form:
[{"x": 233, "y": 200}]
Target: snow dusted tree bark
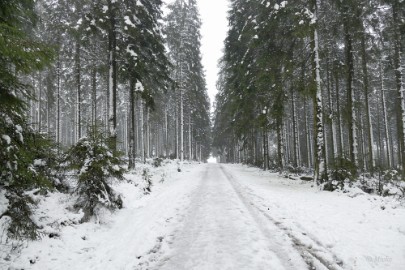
[
  {"x": 385, "y": 117},
  {"x": 332, "y": 117},
  {"x": 137, "y": 127},
  {"x": 132, "y": 126},
  {"x": 78, "y": 120},
  {"x": 353, "y": 140},
  {"x": 106, "y": 99},
  {"x": 371, "y": 161},
  {"x": 399, "y": 84},
  {"x": 287, "y": 143},
  {"x": 181, "y": 125},
  {"x": 195, "y": 149},
  {"x": 200, "y": 157},
  {"x": 190, "y": 148},
  {"x": 177, "y": 132},
  {"x": 341, "y": 152},
  {"x": 265, "y": 150},
  {"x": 49, "y": 94},
  {"x": 308, "y": 135},
  {"x": 320, "y": 165},
  {"x": 31, "y": 113},
  {"x": 147, "y": 132},
  {"x": 112, "y": 75},
  {"x": 181, "y": 79},
  {"x": 362, "y": 143},
  {"x": 381, "y": 156},
  {"x": 334, "y": 140},
  {"x": 39, "y": 108},
  {"x": 327, "y": 123},
  {"x": 125, "y": 130},
  {"x": 142, "y": 140},
  {"x": 94, "y": 96},
  {"x": 294, "y": 131},
  {"x": 280, "y": 145},
  {"x": 166, "y": 134},
  {"x": 58, "y": 75}
]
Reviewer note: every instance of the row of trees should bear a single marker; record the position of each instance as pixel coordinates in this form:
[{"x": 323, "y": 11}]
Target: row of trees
[
  {"x": 112, "y": 70},
  {"x": 189, "y": 105},
  {"x": 95, "y": 77},
  {"x": 316, "y": 84},
  {"x": 20, "y": 55}
]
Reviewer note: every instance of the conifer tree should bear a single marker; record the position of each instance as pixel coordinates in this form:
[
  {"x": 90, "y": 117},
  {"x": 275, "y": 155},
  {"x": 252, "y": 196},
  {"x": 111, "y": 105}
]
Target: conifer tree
[
  {"x": 21, "y": 149},
  {"x": 183, "y": 38}
]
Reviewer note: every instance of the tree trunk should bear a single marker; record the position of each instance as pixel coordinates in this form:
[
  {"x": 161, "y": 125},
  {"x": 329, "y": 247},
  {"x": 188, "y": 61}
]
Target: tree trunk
[
  {"x": 177, "y": 133},
  {"x": 331, "y": 117},
  {"x": 379, "y": 138},
  {"x": 320, "y": 165},
  {"x": 94, "y": 96},
  {"x": 78, "y": 126},
  {"x": 385, "y": 117},
  {"x": 371, "y": 160},
  {"x": 339, "y": 118},
  {"x": 399, "y": 87},
  {"x": 294, "y": 131},
  {"x": 280, "y": 146},
  {"x": 40, "y": 103},
  {"x": 265, "y": 150},
  {"x": 142, "y": 140},
  {"x": 49, "y": 93},
  {"x": 351, "y": 97},
  {"x": 57, "y": 131},
  {"x": 181, "y": 126},
  {"x": 308, "y": 136},
  {"x": 189, "y": 138},
  {"x": 132, "y": 148},
  {"x": 112, "y": 76},
  {"x": 147, "y": 133},
  {"x": 166, "y": 135}
]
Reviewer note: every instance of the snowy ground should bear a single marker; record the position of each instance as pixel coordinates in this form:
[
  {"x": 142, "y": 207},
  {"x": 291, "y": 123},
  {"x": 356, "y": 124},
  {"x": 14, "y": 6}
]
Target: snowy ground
[{"x": 212, "y": 216}]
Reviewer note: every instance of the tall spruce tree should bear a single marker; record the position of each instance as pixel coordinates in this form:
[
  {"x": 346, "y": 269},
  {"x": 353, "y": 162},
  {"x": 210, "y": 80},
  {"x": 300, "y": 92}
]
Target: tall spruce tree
[
  {"x": 146, "y": 64},
  {"x": 20, "y": 146},
  {"x": 278, "y": 55},
  {"x": 183, "y": 39}
]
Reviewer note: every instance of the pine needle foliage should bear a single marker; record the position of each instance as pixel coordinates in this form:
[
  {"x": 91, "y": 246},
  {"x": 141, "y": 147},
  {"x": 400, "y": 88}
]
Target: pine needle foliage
[
  {"x": 21, "y": 149},
  {"x": 96, "y": 165}
]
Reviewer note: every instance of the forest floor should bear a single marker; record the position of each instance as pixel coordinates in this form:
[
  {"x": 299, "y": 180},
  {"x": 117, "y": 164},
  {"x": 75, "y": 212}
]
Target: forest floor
[{"x": 215, "y": 216}]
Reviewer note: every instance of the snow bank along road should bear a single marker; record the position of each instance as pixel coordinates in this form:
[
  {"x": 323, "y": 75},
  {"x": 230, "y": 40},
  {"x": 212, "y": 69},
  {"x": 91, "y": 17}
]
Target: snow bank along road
[{"x": 215, "y": 216}]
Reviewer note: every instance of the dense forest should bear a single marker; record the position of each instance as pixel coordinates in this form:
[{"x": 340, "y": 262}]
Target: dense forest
[
  {"x": 108, "y": 134},
  {"x": 94, "y": 86},
  {"x": 314, "y": 84}
]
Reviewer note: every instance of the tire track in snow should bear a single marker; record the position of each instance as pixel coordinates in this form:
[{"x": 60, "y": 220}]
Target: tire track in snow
[
  {"x": 311, "y": 256},
  {"x": 156, "y": 257},
  {"x": 226, "y": 234}
]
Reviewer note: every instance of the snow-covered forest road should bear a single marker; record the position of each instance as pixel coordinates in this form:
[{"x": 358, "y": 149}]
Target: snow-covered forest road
[
  {"x": 213, "y": 216},
  {"x": 223, "y": 230}
]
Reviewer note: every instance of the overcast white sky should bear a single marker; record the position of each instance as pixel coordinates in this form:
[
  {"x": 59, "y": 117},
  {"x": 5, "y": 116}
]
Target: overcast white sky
[
  {"x": 213, "y": 31},
  {"x": 214, "y": 27}
]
